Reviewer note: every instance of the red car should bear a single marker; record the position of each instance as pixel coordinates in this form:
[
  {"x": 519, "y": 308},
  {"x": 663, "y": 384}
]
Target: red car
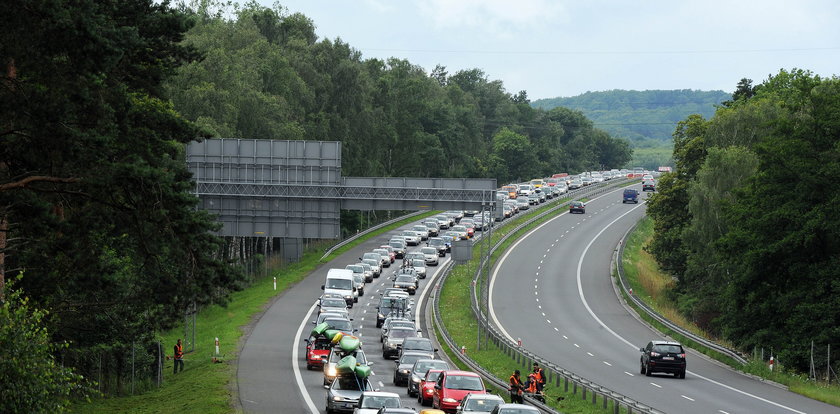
[
  {"x": 317, "y": 350},
  {"x": 452, "y": 386},
  {"x": 391, "y": 252},
  {"x": 427, "y": 386}
]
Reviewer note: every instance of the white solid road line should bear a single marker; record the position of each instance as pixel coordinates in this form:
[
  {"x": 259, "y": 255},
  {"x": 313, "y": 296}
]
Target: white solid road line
[
  {"x": 296, "y": 361},
  {"x": 600, "y": 322}
]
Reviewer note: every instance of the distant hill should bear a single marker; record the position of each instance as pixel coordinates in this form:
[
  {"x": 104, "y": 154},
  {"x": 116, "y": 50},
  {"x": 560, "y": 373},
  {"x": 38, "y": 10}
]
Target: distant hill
[{"x": 646, "y": 118}]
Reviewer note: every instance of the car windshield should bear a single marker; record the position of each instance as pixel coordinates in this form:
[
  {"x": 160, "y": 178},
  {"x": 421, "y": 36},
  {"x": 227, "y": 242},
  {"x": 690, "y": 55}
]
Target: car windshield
[
  {"x": 424, "y": 367},
  {"x": 359, "y": 355},
  {"x": 410, "y": 359},
  {"x": 422, "y": 345},
  {"x": 356, "y": 268},
  {"x": 463, "y": 382},
  {"x": 402, "y": 324},
  {"x": 381, "y": 401},
  {"x": 396, "y": 244},
  {"x": 372, "y": 256},
  {"x": 519, "y": 411},
  {"x": 333, "y": 303},
  {"x": 419, "y": 228},
  {"x": 433, "y": 376},
  {"x": 401, "y": 333},
  {"x": 429, "y": 250},
  {"x": 341, "y": 284},
  {"x": 477, "y": 404},
  {"x": 350, "y": 383},
  {"x": 668, "y": 349},
  {"x": 418, "y": 263},
  {"x": 339, "y": 324},
  {"x": 436, "y": 242},
  {"x": 405, "y": 279}
]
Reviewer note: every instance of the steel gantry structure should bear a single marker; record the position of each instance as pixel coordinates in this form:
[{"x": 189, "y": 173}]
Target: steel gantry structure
[{"x": 294, "y": 189}]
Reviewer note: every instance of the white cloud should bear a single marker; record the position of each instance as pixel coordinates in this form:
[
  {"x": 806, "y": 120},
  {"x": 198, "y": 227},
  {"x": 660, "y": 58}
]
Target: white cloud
[{"x": 501, "y": 16}]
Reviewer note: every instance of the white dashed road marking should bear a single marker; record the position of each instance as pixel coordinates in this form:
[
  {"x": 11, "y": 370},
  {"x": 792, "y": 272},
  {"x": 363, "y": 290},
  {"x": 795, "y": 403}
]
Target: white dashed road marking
[
  {"x": 687, "y": 398},
  {"x": 656, "y": 385},
  {"x": 607, "y": 363},
  {"x": 629, "y": 374}
]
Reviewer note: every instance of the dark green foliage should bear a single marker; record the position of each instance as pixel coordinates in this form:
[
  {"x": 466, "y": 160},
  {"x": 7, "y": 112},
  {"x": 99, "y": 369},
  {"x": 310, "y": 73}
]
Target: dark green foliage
[
  {"x": 752, "y": 232},
  {"x": 95, "y": 189},
  {"x": 31, "y": 381},
  {"x": 266, "y": 76}
]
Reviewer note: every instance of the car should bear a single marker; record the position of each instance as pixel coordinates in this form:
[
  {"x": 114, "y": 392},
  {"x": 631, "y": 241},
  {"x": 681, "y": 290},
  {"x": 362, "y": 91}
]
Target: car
[
  {"x": 395, "y": 322},
  {"x": 438, "y": 244},
  {"x": 406, "y": 282},
  {"x": 649, "y": 185},
  {"x": 444, "y": 221},
  {"x": 514, "y": 204},
  {"x": 393, "y": 343},
  {"x": 577, "y": 207},
  {"x": 515, "y": 409},
  {"x": 374, "y": 266},
  {"x": 430, "y": 255},
  {"x": 462, "y": 232},
  {"x": 419, "y": 344},
  {"x": 533, "y": 199},
  {"x": 647, "y": 177},
  {"x": 336, "y": 313},
  {"x": 663, "y": 356},
  {"x": 422, "y": 231},
  {"x": 402, "y": 373},
  {"x": 630, "y": 196},
  {"x": 390, "y": 306},
  {"x": 381, "y": 256},
  {"x": 389, "y": 410},
  {"x": 331, "y": 304},
  {"x": 418, "y": 255},
  {"x": 523, "y": 203},
  {"x": 359, "y": 284},
  {"x": 399, "y": 247},
  {"x": 371, "y": 401},
  {"x": 418, "y": 372},
  {"x": 456, "y": 214},
  {"x": 470, "y": 228},
  {"x": 587, "y": 181},
  {"x": 317, "y": 350},
  {"x": 453, "y": 386},
  {"x": 340, "y": 324},
  {"x": 386, "y": 254},
  {"x": 479, "y": 403},
  {"x": 525, "y": 189},
  {"x": 575, "y": 184},
  {"x": 419, "y": 265},
  {"x": 411, "y": 237},
  {"x": 344, "y": 393},
  {"x": 370, "y": 272},
  {"x": 452, "y": 237},
  {"x": 432, "y": 227},
  {"x": 427, "y": 386},
  {"x": 537, "y": 183},
  {"x": 330, "y": 370}
]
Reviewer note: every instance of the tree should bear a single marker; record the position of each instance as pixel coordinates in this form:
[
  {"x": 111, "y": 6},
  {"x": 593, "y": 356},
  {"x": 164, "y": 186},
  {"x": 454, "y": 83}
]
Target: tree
[
  {"x": 112, "y": 242},
  {"x": 517, "y": 154},
  {"x": 31, "y": 381}
]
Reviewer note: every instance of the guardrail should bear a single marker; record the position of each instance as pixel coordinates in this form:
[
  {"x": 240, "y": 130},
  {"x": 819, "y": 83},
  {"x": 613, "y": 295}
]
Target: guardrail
[
  {"x": 619, "y": 253},
  {"x": 368, "y": 230},
  {"x": 554, "y": 372}
]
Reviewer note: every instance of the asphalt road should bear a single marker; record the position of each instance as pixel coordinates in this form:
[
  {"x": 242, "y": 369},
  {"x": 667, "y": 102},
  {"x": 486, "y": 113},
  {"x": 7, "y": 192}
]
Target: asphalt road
[
  {"x": 553, "y": 290},
  {"x": 272, "y": 375}
]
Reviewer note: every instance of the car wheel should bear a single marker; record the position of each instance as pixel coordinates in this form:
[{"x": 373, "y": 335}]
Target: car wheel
[
  {"x": 355, "y": 300},
  {"x": 682, "y": 374},
  {"x": 647, "y": 371},
  {"x": 642, "y": 368},
  {"x": 420, "y": 399}
]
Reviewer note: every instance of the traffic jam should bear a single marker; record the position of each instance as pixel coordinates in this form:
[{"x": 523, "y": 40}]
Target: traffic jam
[{"x": 365, "y": 339}]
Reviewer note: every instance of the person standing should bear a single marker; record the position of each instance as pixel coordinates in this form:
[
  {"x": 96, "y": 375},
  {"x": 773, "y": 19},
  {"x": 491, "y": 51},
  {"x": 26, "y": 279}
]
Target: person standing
[
  {"x": 516, "y": 388},
  {"x": 540, "y": 376},
  {"x": 178, "y": 356}
]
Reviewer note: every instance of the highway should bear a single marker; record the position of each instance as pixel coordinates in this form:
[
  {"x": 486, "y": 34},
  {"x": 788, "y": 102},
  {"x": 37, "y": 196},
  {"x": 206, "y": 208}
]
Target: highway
[
  {"x": 272, "y": 375},
  {"x": 553, "y": 290}
]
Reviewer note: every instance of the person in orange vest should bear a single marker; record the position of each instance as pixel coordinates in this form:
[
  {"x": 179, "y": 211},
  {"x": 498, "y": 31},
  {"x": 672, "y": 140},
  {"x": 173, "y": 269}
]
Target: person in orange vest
[
  {"x": 516, "y": 388},
  {"x": 531, "y": 384},
  {"x": 539, "y": 375},
  {"x": 178, "y": 356}
]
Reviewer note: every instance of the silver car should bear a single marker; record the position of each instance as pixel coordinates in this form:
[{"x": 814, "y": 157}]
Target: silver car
[
  {"x": 419, "y": 266},
  {"x": 344, "y": 393},
  {"x": 422, "y": 231},
  {"x": 411, "y": 237},
  {"x": 382, "y": 257},
  {"x": 371, "y": 401},
  {"x": 479, "y": 403},
  {"x": 430, "y": 255},
  {"x": 374, "y": 265}
]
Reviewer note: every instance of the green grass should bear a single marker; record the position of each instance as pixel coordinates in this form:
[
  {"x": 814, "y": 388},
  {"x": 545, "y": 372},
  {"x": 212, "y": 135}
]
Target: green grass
[
  {"x": 650, "y": 285},
  {"x": 204, "y": 386},
  {"x": 462, "y": 326}
]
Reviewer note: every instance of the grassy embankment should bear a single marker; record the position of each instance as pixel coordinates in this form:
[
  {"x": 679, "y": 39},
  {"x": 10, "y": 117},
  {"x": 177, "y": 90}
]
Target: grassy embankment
[
  {"x": 462, "y": 326},
  {"x": 204, "y": 386},
  {"x": 651, "y": 285}
]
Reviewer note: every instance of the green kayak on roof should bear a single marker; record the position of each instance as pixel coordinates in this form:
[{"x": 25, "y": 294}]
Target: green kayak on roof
[
  {"x": 349, "y": 343},
  {"x": 362, "y": 371},
  {"x": 318, "y": 330},
  {"x": 346, "y": 365}
]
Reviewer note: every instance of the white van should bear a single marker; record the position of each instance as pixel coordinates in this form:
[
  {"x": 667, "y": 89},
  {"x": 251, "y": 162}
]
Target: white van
[{"x": 340, "y": 281}]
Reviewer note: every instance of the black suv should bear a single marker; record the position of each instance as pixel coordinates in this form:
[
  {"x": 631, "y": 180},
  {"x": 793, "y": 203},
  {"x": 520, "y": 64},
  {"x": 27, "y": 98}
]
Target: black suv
[{"x": 663, "y": 356}]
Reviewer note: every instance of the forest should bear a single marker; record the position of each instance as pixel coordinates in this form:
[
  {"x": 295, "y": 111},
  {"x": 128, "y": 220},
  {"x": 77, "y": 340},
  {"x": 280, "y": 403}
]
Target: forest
[
  {"x": 749, "y": 222},
  {"x": 101, "y": 242}
]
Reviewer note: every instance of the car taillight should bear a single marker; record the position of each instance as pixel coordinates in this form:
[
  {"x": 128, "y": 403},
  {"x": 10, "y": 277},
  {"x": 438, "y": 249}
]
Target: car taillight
[
  {"x": 682, "y": 356},
  {"x": 654, "y": 354}
]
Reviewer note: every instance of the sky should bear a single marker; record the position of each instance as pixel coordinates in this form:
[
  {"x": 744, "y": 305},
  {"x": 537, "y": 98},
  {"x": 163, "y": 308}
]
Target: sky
[{"x": 553, "y": 48}]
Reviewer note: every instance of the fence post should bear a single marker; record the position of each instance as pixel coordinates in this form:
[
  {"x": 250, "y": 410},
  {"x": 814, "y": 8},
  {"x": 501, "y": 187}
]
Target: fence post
[
  {"x": 594, "y": 397},
  {"x": 132, "y": 367},
  {"x": 574, "y": 387},
  {"x": 583, "y": 392},
  {"x": 616, "y": 406},
  {"x": 566, "y": 384}
]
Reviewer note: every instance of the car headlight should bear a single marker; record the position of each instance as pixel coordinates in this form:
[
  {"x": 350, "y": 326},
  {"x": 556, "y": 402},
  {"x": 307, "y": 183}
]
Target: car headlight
[
  {"x": 331, "y": 371},
  {"x": 415, "y": 379},
  {"x": 380, "y": 316},
  {"x": 391, "y": 345},
  {"x": 429, "y": 391},
  {"x": 338, "y": 398},
  {"x": 450, "y": 400},
  {"x": 404, "y": 371},
  {"x": 348, "y": 296}
]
